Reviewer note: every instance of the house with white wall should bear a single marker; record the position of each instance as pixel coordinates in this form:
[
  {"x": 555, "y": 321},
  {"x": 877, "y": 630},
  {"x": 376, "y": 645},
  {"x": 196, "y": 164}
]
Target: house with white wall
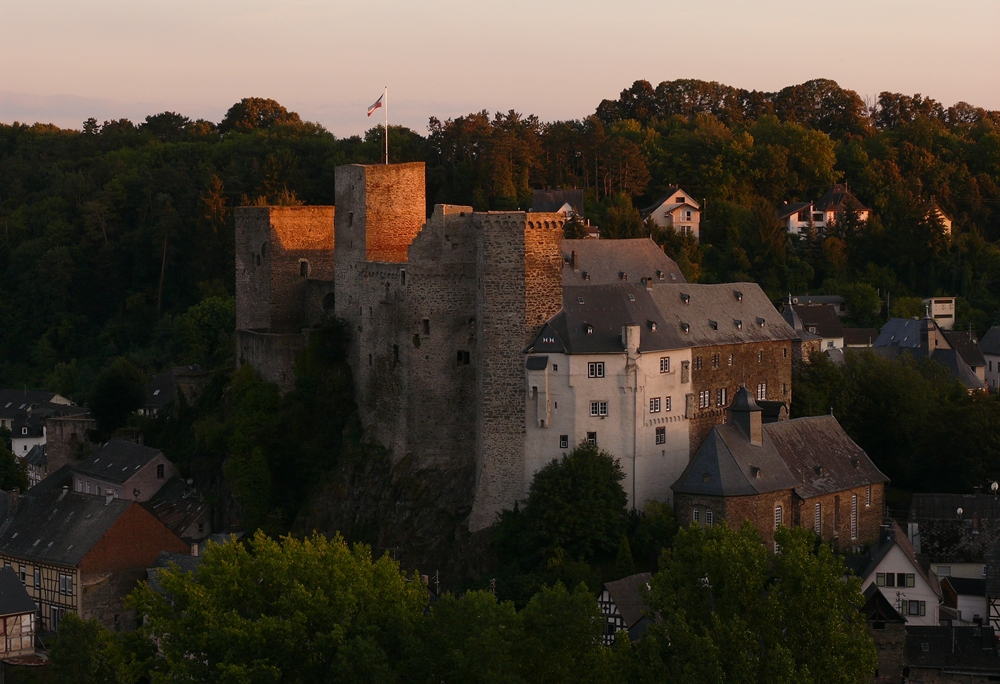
[
  {"x": 892, "y": 565},
  {"x": 802, "y": 217},
  {"x": 678, "y": 210},
  {"x": 990, "y": 346}
]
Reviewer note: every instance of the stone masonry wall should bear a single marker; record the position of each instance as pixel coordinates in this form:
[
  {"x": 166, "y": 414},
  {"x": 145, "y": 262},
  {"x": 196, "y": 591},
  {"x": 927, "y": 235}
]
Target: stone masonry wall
[
  {"x": 302, "y": 246},
  {"x": 272, "y": 355},
  {"x": 395, "y": 196},
  {"x": 836, "y": 516},
  {"x": 513, "y": 260},
  {"x": 63, "y": 437},
  {"x": 774, "y": 368},
  {"x": 253, "y": 282},
  {"x": 758, "y": 509}
]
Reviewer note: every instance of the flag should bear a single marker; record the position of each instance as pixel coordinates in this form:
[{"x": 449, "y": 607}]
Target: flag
[{"x": 378, "y": 103}]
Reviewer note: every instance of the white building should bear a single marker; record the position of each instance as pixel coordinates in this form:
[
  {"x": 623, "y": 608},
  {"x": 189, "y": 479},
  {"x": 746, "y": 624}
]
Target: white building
[
  {"x": 942, "y": 310},
  {"x": 593, "y": 377},
  {"x": 800, "y": 217},
  {"x": 677, "y": 210},
  {"x": 893, "y": 567},
  {"x": 990, "y": 346}
]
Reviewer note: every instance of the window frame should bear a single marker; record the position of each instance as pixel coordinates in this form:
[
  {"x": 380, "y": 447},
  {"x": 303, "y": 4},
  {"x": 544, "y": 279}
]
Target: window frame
[
  {"x": 595, "y": 369},
  {"x": 654, "y": 404},
  {"x": 598, "y": 409},
  {"x": 664, "y": 364},
  {"x": 661, "y": 435},
  {"x": 704, "y": 399},
  {"x": 722, "y": 396}
]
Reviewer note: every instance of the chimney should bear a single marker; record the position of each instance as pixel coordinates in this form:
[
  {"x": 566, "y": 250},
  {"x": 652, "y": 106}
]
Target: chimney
[
  {"x": 62, "y": 494},
  {"x": 574, "y": 260},
  {"x": 13, "y": 500},
  {"x": 108, "y": 498},
  {"x": 928, "y": 334},
  {"x": 630, "y": 339},
  {"x": 745, "y": 414},
  {"x": 194, "y": 549}
]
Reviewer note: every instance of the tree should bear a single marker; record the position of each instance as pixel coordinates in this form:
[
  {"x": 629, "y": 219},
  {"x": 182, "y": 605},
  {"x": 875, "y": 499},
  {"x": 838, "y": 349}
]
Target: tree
[
  {"x": 285, "y": 610},
  {"x": 12, "y": 472},
  {"x": 118, "y": 393},
  {"x": 88, "y": 653},
  {"x": 732, "y": 612},
  {"x": 252, "y": 113}
]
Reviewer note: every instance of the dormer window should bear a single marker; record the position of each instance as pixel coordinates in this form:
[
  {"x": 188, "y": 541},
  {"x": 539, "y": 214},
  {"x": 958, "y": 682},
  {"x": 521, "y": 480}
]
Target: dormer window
[
  {"x": 659, "y": 274},
  {"x": 579, "y": 300},
  {"x": 755, "y": 472},
  {"x": 686, "y": 298},
  {"x": 624, "y": 276},
  {"x": 760, "y": 322},
  {"x": 652, "y": 326},
  {"x": 714, "y": 325},
  {"x": 586, "y": 275},
  {"x": 739, "y": 324},
  {"x": 590, "y": 329},
  {"x": 686, "y": 327},
  {"x": 738, "y": 295}
]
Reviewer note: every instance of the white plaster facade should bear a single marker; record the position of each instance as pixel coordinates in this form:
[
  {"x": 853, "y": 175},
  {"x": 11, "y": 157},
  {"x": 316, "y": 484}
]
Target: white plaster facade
[
  {"x": 623, "y": 402},
  {"x": 677, "y": 210},
  {"x": 22, "y": 439},
  {"x": 898, "y": 564},
  {"x": 942, "y": 310}
]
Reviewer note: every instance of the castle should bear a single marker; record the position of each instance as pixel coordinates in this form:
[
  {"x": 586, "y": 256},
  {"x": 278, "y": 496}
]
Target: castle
[{"x": 468, "y": 328}]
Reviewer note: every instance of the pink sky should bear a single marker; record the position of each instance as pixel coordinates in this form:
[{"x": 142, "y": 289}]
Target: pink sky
[{"x": 62, "y": 61}]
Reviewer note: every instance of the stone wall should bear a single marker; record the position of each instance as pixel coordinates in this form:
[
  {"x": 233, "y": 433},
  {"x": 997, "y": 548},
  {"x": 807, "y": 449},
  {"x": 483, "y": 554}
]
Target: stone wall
[
  {"x": 802, "y": 351},
  {"x": 64, "y": 438},
  {"x": 320, "y": 301},
  {"x": 836, "y": 517},
  {"x": 753, "y": 363},
  {"x": 758, "y": 509},
  {"x": 890, "y": 641},
  {"x": 253, "y": 282},
  {"x": 512, "y": 250},
  {"x": 302, "y": 246},
  {"x": 272, "y": 355}
]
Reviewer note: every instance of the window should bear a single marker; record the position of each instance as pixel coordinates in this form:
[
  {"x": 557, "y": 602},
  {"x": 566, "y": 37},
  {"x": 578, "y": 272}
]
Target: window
[
  {"x": 654, "y": 406},
  {"x": 79, "y": 485},
  {"x": 564, "y": 441},
  {"x": 915, "y": 607},
  {"x": 303, "y": 268},
  {"x": 697, "y": 363},
  {"x": 944, "y": 571},
  {"x": 23, "y": 574},
  {"x": 463, "y": 358},
  {"x": 426, "y": 323},
  {"x": 784, "y": 389},
  {"x": 880, "y": 579},
  {"x": 664, "y": 364},
  {"x": 731, "y": 359},
  {"x": 704, "y": 398},
  {"x": 98, "y": 490},
  {"x": 836, "y": 513},
  {"x": 661, "y": 435},
  {"x": 38, "y": 577},
  {"x": 201, "y": 528},
  {"x": 24, "y": 431},
  {"x": 595, "y": 369},
  {"x": 868, "y": 496},
  {"x": 761, "y": 391},
  {"x": 715, "y": 360},
  {"x": 88, "y": 488},
  {"x": 159, "y": 471},
  {"x": 598, "y": 408},
  {"x": 905, "y": 579},
  {"x": 709, "y": 517},
  {"x": 778, "y": 516},
  {"x": 592, "y": 438},
  {"x": 784, "y": 352},
  {"x": 666, "y": 401},
  {"x": 555, "y": 367},
  {"x": 350, "y": 219},
  {"x": 721, "y": 395},
  {"x": 696, "y": 515},
  {"x": 760, "y": 357},
  {"x": 54, "y": 615},
  {"x": 854, "y": 516},
  {"x": 66, "y": 585},
  {"x": 818, "y": 519}
]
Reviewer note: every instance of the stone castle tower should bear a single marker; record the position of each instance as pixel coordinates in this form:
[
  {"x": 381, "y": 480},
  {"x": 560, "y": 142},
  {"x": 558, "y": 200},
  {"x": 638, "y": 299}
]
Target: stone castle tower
[{"x": 440, "y": 311}]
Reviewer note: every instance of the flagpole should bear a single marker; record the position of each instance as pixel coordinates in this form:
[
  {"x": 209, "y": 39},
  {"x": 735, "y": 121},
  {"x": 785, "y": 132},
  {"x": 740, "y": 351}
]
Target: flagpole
[{"x": 387, "y": 125}]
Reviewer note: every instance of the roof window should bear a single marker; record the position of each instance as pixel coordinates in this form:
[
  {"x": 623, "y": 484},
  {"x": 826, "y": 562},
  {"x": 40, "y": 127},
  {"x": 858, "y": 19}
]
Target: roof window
[
  {"x": 686, "y": 298},
  {"x": 714, "y": 325},
  {"x": 624, "y": 276},
  {"x": 686, "y": 327},
  {"x": 738, "y": 295},
  {"x": 590, "y": 329},
  {"x": 673, "y": 276},
  {"x": 659, "y": 274},
  {"x": 631, "y": 297},
  {"x": 760, "y": 322},
  {"x": 156, "y": 392},
  {"x": 738, "y": 323}
]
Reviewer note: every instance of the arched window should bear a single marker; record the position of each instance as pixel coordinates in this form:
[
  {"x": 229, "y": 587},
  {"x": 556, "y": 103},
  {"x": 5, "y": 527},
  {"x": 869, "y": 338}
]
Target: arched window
[
  {"x": 709, "y": 517},
  {"x": 696, "y": 515},
  {"x": 303, "y": 268},
  {"x": 777, "y": 516},
  {"x": 818, "y": 518},
  {"x": 328, "y": 301}
]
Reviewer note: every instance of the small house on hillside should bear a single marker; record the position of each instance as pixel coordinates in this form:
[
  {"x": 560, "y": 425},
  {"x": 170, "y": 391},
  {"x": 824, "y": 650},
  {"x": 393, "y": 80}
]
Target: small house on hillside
[
  {"x": 124, "y": 470},
  {"x": 822, "y": 320},
  {"x": 569, "y": 203},
  {"x": 623, "y": 605},
  {"x": 800, "y": 217},
  {"x": 180, "y": 507},
  {"x": 678, "y": 210},
  {"x": 924, "y": 339}
]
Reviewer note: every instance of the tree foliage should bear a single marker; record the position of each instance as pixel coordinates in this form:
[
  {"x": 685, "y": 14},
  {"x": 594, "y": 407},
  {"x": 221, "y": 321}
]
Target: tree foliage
[{"x": 120, "y": 390}]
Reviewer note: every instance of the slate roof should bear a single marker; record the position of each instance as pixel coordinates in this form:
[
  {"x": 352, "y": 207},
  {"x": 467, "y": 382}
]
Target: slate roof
[
  {"x": 945, "y": 537},
  {"x": 822, "y": 317},
  {"x": 860, "y": 337},
  {"x": 177, "y": 505},
  {"x": 729, "y": 313},
  {"x": 838, "y": 198},
  {"x": 170, "y": 561},
  {"x": 813, "y": 456},
  {"x": 967, "y": 345},
  {"x": 35, "y": 425},
  {"x": 602, "y": 262},
  {"x": 14, "y": 600},
  {"x": 604, "y": 310},
  {"x": 900, "y": 332},
  {"x": 14, "y": 400},
  {"x": 792, "y": 208},
  {"x": 793, "y": 319},
  {"x": 160, "y": 390},
  {"x": 990, "y": 343},
  {"x": 943, "y": 506},
  {"x": 36, "y": 455},
  {"x": 822, "y": 455},
  {"x": 56, "y": 525},
  {"x": 629, "y": 594},
  {"x": 116, "y": 461},
  {"x": 966, "y": 586},
  {"x": 553, "y": 200},
  {"x": 903, "y": 335},
  {"x": 957, "y": 650},
  {"x": 804, "y": 300}
]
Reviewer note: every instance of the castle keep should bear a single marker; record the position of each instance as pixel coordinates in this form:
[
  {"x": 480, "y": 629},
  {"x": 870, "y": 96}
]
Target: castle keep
[{"x": 448, "y": 316}]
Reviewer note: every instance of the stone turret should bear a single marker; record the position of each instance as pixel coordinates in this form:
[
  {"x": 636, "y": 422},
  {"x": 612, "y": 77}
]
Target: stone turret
[{"x": 745, "y": 414}]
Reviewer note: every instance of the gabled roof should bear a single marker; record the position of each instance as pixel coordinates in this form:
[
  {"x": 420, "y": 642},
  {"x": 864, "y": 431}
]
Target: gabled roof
[
  {"x": 990, "y": 343},
  {"x": 670, "y": 197},
  {"x": 729, "y": 313},
  {"x": 817, "y": 299},
  {"x": 790, "y": 208},
  {"x": 36, "y": 455},
  {"x": 822, "y": 317},
  {"x": 14, "y": 400},
  {"x": 905, "y": 335},
  {"x": 957, "y": 651},
  {"x": 891, "y": 536},
  {"x": 822, "y": 455},
  {"x": 160, "y": 390},
  {"x": 179, "y": 562},
  {"x": 967, "y": 345},
  {"x": 860, "y": 337},
  {"x": 116, "y": 461},
  {"x": 53, "y": 524},
  {"x": 793, "y": 319},
  {"x": 553, "y": 200},
  {"x": 728, "y": 465},
  {"x": 602, "y": 262},
  {"x": 966, "y": 586},
  {"x": 878, "y": 608},
  {"x": 629, "y": 596},
  {"x": 177, "y": 505},
  {"x": 960, "y": 370},
  {"x": 14, "y": 600},
  {"x": 944, "y": 506},
  {"x": 837, "y": 199}
]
